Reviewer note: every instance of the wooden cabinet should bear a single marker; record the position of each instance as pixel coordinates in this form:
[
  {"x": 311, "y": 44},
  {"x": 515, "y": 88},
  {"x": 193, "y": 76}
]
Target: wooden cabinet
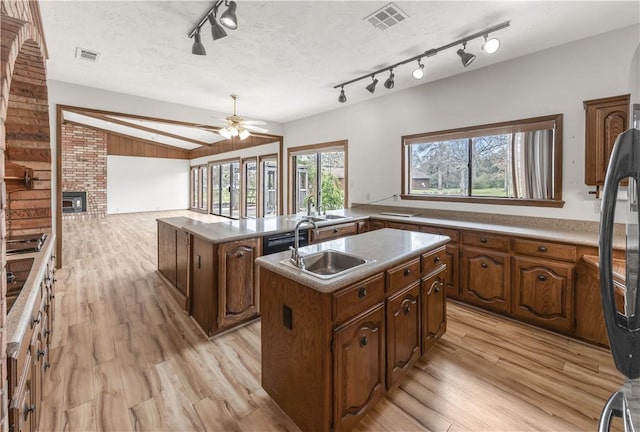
[
  {"x": 543, "y": 293},
  {"x": 452, "y": 271},
  {"x": 360, "y": 296},
  {"x": 359, "y": 372},
  {"x": 237, "y": 299},
  {"x": 434, "y": 307},
  {"x": 402, "y": 226},
  {"x": 605, "y": 119},
  {"x": 403, "y": 333},
  {"x": 376, "y": 224},
  {"x": 485, "y": 279},
  {"x": 333, "y": 231},
  {"x": 223, "y": 286},
  {"x": 204, "y": 285},
  {"x": 173, "y": 260}
]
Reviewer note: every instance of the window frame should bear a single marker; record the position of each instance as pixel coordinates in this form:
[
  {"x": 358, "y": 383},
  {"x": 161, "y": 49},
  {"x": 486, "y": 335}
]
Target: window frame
[
  {"x": 219, "y": 164},
  {"x": 261, "y": 184},
  {"x": 326, "y": 147},
  {"x": 485, "y": 130},
  {"x": 244, "y": 182},
  {"x": 196, "y": 181}
]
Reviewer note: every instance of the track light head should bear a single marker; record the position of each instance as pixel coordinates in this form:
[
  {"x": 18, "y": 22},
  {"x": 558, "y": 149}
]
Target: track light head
[
  {"x": 418, "y": 73},
  {"x": 390, "y": 81},
  {"x": 371, "y": 88},
  {"x": 466, "y": 58},
  {"x": 490, "y": 46},
  {"x": 228, "y": 18},
  {"x": 217, "y": 32},
  {"x": 342, "y": 98},
  {"x": 197, "y": 48}
]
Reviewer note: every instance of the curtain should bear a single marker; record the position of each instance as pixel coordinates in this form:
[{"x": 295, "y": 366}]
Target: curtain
[{"x": 532, "y": 154}]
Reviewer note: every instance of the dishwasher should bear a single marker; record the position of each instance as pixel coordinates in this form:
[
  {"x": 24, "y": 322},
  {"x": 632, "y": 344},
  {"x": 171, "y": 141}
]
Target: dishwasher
[{"x": 282, "y": 241}]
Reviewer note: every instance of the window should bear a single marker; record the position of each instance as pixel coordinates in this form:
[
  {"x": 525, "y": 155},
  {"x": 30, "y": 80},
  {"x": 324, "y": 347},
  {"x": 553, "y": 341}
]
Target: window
[
  {"x": 199, "y": 188},
  {"x": 225, "y": 188},
  {"x": 270, "y": 185},
  {"x": 250, "y": 181},
  {"x": 517, "y": 162},
  {"x": 326, "y": 190}
]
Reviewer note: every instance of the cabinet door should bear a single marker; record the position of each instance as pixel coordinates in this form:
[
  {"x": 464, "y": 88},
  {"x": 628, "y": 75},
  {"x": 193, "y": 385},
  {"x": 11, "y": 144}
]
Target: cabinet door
[
  {"x": 403, "y": 333},
  {"x": 485, "y": 279},
  {"x": 606, "y": 118},
  {"x": 167, "y": 251},
  {"x": 434, "y": 315},
  {"x": 203, "y": 285},
  {"x": 543, "y": 293},
  {"x": 182, "y": 262},
  {"x": 452, "y": 287},
  {"x": 359, "y": 367},
  {"x": 237, "y": 294}
]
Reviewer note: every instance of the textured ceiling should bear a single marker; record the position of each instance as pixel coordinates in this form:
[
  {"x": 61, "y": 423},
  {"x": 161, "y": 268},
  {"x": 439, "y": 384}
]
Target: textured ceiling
[{"x": 285, "y": 57}]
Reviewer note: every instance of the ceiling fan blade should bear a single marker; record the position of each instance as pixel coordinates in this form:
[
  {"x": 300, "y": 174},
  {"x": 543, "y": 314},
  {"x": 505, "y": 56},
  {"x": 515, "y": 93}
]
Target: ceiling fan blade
[
  {"x": 255, "y": 122},
  {"x": 255, "y": 128}
]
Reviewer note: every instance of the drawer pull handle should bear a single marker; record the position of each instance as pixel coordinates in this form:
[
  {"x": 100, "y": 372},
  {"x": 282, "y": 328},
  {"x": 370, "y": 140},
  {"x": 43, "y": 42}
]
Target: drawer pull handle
[
  {"x": 335, "y": 230},
  {"x": 362, "y": 292},
  {"x": 28, "y": 409},
  {"x": 39, "y": 354},
  {"x": 542, "y": 249},
  {"x": 483, "y": 240},
  {"x": 437, "y": 289},
  {"x": 483, "y": 265},
  {"x": 436, "y": 259},
  {"x": 407, "y": 309},
  {"x": 363, "y": 341},
  {"x": 240, "y": 254},
  {"x": 542, "y": 277},
  {"x": 407, "y": 272}
]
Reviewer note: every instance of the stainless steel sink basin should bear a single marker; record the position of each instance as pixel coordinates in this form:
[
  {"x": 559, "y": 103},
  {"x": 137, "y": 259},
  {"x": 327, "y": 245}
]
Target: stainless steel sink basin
[
  {"x": 332, "y": 216},
  {"x": 330, "y": 263}
]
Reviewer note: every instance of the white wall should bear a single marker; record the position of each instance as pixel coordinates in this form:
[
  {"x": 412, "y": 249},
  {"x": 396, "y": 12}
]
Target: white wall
[
  {"x": 553, "y": 81},
  {"x": 265, "y": 149},
  {"x": 137, "y": 184}
]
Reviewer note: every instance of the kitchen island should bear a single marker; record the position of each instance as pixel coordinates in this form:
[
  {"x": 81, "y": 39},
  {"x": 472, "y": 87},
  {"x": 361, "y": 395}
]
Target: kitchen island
[{"x": 331, "y": 348}]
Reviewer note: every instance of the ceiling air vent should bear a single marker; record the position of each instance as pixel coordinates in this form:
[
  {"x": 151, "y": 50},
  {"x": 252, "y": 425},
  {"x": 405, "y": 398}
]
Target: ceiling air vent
[
  {"x": 386, "y": 16},
  {"x": 87, "y": 55}
]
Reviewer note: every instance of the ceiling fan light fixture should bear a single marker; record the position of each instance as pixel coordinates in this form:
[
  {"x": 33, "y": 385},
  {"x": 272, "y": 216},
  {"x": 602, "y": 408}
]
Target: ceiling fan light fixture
[
  {"x": 389, "y": 83},
  {"x": 217, "y": 32},
  {"x": 465, "y": 57},
  {"x": 197, "y": 48},
  {"x": 490, "y": 46},
  {"x": 418, "y": 73},
  {"x": 225, "y": 133},
  {"x": 342, "y": 98},
  {"x": 371, "y": 88},
  {"x": 228, "y": 18},
  {"x": 243, "y": 133}
]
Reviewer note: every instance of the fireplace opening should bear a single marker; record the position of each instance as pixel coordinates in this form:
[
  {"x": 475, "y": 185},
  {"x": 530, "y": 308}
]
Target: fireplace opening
[{"x": 74, "y": 202}]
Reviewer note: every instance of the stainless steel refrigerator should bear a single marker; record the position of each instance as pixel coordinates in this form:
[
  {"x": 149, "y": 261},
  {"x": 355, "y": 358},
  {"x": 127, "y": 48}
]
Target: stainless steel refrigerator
[{"x": 623, "y": 327}]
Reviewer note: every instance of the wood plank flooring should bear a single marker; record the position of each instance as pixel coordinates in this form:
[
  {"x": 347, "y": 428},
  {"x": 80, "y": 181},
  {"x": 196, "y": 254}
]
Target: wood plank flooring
[{"x": 125, "y": 357}]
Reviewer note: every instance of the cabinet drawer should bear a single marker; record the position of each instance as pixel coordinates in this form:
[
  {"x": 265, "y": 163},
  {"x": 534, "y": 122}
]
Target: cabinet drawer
[
  {"x": 403, "y": 275},
  {"x": 485, "y": 240},
  {"x": 333, "y": 231},
  {"x": 358, "y": 297},
  {"x": 403, "y": 226},
  {"x": 434, "y": 260},
  {"x": 545, "y": 249},
  {"x": 452, "y": 234}
]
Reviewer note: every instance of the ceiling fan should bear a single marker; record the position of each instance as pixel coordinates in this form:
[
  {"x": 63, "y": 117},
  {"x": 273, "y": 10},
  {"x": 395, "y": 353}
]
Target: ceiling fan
[{"x": 238, "y": 126}]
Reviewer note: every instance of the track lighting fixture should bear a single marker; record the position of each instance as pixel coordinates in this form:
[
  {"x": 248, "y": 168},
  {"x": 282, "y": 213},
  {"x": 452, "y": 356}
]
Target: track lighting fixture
[
  {"x": 465, "y": 57},
  {"x": 227, "y": 19},
  {"x": 490, "y": 46},
  {"x": 371, "y": 88},
  {"x": 197, "y": 48},
  {"x": 418, "y": 73},
  {"x": 390, "y": 81},
  {"x": 342, "y": 98}
]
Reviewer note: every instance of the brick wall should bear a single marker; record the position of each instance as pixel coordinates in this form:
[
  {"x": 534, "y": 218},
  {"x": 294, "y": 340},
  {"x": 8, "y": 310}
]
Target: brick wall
[{"x": 84, "y": 168}]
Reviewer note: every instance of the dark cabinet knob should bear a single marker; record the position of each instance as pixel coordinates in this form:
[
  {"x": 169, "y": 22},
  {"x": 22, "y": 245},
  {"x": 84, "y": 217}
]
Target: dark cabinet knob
[
  {"x": 437, "y": 289},
  {"x": 335, "y": 230},
  {"x": 542, "y": 277},
  {"x": 542, "y": 249},
  {"x": 240, "y": 254},
  {"x": 35, "y": 320},
  {"x": 47, "y": 365},
  {"x": 28, "y": 409},
  {"x": 39, "y": 354},
  {"x": 407, "y": 272},
  {"x": 436, "y": 259},
  {"x": 483, "y": 240},
  {"x": 407, "y": 309},
  {"x": 483, "y": 265},
  {"x": 362, "y": 292},
  {"x": 364, "y": 341}
]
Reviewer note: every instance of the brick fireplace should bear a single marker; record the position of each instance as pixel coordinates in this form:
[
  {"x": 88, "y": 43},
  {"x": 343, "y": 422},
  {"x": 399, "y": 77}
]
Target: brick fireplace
[{"x": 84, "y": 168}]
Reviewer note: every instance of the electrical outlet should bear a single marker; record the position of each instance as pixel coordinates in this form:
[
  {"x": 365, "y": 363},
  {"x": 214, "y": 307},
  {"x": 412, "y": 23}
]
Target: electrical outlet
[{"x": 597, "y": 205}]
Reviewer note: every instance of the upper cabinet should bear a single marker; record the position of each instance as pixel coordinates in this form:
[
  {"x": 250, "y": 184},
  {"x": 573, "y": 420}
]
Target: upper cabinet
[{"x": 606, "y": 118}]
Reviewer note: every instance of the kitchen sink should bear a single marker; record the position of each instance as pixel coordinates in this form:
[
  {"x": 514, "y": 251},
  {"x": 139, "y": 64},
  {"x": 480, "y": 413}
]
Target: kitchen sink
[
  {"x": 332, "y": 216},
  {"x": 320, "y": 218},
  {"x": 330, "y": 263}
]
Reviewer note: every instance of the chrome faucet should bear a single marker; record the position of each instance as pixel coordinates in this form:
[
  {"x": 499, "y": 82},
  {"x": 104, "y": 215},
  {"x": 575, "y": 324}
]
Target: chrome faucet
[{"x": 296, "y": 258}]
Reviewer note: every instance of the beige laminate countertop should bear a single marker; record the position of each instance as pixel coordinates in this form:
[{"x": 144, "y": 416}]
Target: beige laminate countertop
[
  {"x": 19, "y": 317},
  {"x": 386, "y": 247},
  {"x": 231, "y": 230}
]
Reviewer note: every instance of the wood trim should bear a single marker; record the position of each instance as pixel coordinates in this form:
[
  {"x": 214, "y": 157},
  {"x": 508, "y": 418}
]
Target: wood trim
[
  {"x": 613, "y": 100},
  {"x": 483, "y": 200},
  {"x": 262, "y": 158},
  {"x": 226, "y": 146},
  {"x": 293, "y": 151},
  {"x": 119, "y": 145},
  {"x": 58, "y": 209}
]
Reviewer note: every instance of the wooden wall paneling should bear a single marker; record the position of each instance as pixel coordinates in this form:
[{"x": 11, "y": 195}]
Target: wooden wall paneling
[
  {"x": 233, "y": 144},
  {"x": 118, "y": 145}
]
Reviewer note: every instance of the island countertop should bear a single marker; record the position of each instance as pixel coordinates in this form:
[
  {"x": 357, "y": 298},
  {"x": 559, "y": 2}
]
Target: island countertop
[{"x": 386, "y": 247}]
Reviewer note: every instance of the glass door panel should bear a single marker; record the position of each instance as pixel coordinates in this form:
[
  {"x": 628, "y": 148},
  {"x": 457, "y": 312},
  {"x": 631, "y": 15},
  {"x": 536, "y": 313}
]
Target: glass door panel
[{"x": 269, "y": 187}]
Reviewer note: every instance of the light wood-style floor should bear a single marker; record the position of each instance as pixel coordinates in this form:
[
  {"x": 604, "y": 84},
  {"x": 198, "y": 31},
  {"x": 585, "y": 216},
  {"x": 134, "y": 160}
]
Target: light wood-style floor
[{"x": 124, "y": 357}]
